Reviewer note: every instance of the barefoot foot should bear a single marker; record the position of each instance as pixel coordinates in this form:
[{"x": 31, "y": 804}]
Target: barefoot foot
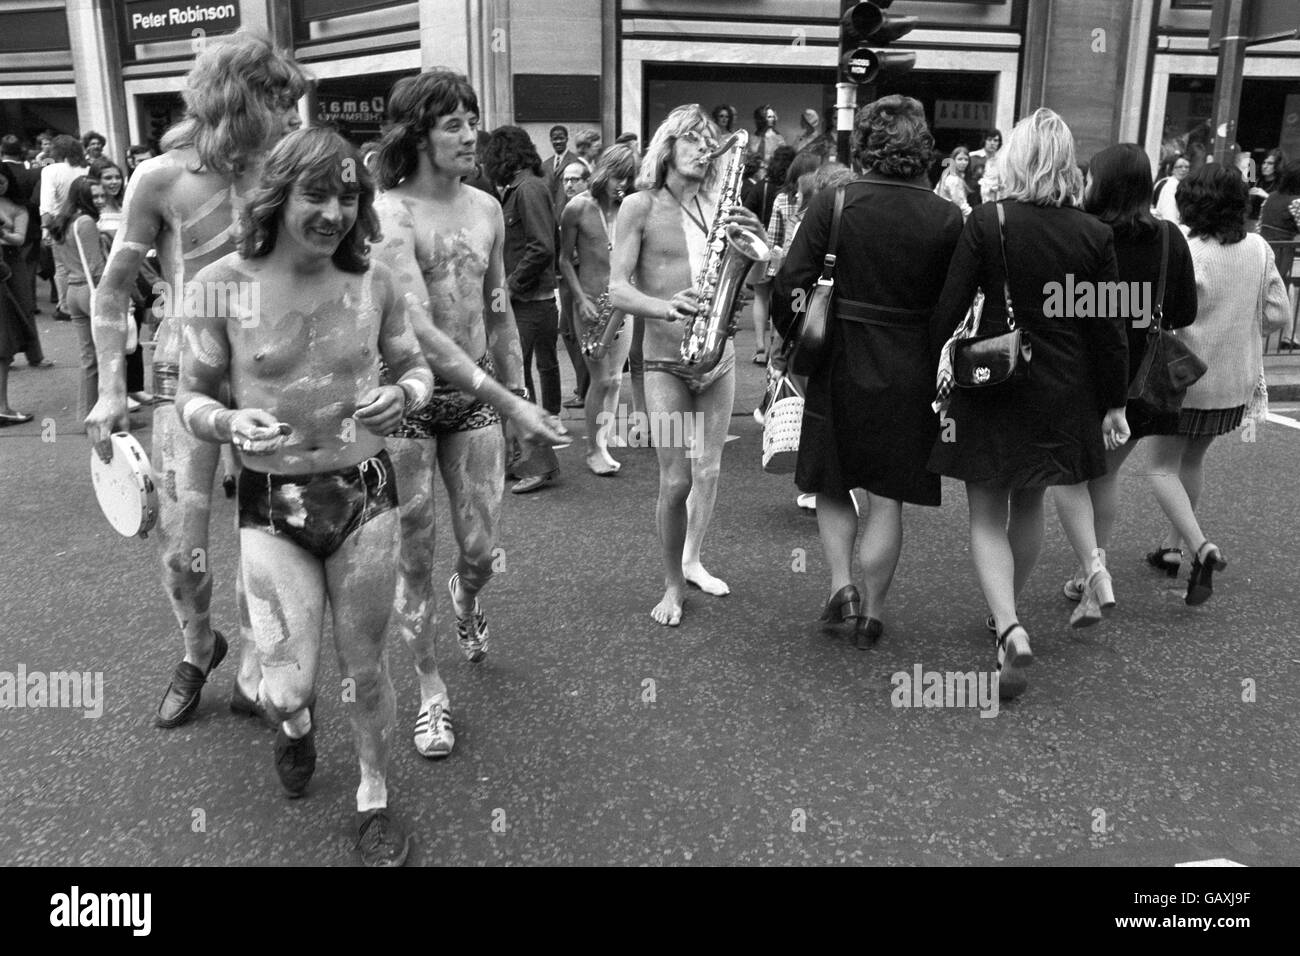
[
  {"x": 706, "y": 582},
  {"x": 602, "y": 465},
  {"x": 669, "y": 610}
]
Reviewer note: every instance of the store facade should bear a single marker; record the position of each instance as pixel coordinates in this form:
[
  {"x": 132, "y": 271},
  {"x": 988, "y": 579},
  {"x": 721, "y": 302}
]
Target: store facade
[{"x": 1133, "y": 70}]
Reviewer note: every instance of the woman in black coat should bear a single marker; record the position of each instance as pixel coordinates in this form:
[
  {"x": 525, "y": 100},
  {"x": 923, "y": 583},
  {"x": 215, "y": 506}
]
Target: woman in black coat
[
  {"x": 1010, "y": 443},
  {"x": 1118, "y": 192},
  {"x": 867, "y": 418}
]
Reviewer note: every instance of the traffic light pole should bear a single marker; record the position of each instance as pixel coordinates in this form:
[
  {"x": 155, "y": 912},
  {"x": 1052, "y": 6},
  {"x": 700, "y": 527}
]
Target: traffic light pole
[
  {"x": 1227, "y": 85},
  {"x": 846, "y": 101}
]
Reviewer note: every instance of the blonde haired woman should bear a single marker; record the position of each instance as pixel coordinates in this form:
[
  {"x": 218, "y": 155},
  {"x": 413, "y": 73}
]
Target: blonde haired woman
[{"x": 1009, "y": 444}]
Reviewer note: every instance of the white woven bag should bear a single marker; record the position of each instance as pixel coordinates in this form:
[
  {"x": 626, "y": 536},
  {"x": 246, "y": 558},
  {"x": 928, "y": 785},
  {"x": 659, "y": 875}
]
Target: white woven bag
[{"x": 781, "y": 428}]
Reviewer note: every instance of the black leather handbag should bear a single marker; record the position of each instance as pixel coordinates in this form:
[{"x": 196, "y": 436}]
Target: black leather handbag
[
  {"x": 1168, "y": 367},
  {"x": 990, "y": 361},
  {"x": 813, "y": 332}
]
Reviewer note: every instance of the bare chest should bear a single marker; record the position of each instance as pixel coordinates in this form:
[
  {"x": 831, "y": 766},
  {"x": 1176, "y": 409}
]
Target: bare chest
[{"x": 319, "y": 333}]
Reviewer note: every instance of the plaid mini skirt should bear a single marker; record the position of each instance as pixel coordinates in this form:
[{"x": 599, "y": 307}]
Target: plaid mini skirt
[{"x": 1209, "y": 422}]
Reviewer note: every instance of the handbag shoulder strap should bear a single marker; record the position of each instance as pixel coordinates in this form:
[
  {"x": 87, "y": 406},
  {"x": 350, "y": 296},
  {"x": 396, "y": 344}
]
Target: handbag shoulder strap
[
  {"x": 1158, "y": 305},
  {"x": 828, "y": 263},
  {"x": 1006, "y": 272},
  {"x": 90, "y": 280}
]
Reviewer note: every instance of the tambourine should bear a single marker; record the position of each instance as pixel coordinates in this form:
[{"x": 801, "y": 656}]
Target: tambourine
[{"x": 125, "y": 487}]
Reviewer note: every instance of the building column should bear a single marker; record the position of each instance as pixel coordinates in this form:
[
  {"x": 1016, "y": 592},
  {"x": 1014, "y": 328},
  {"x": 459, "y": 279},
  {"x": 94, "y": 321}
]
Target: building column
[
  {"x": 472, "y": 37},
  {"x": 609, "y": 72},
  {"x": 1137, "y": 73},
  {"x": 93, "y": 29}
]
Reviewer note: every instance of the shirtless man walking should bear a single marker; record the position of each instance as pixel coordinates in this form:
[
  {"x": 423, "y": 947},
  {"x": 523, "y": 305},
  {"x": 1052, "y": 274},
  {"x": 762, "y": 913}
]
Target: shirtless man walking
[
  {"x": 658, "y": 254},
  {"x": 241, "y": 97},
  {"x": 443, "y": 243},
  {"x": 588, "y": 227},
  {"x": 317, "y": 502}
]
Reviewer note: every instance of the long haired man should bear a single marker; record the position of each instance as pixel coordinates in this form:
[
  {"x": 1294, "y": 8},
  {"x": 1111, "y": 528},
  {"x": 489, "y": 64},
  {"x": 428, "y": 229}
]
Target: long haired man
[
  {"x": 659, "y": 253},
  {"x": 240, "y": 99},
  {"x": 443, "y": 242},
  {"x": 587, "y": 231},
  {"x": 317, "y": 499}
]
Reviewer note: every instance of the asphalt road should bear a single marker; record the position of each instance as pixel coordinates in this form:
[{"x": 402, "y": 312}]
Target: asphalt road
[{"x": 593, "y": 736}]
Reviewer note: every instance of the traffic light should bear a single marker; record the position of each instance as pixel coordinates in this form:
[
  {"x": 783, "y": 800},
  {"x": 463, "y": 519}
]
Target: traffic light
[{"x": 868, "y": 22}]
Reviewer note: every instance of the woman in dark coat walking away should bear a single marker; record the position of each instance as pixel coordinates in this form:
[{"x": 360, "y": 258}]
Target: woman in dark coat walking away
[
  {"x": 1118, "y": 192},
  {"x": 1010, "y": 443},
  {"x": 867, "y": 418}
]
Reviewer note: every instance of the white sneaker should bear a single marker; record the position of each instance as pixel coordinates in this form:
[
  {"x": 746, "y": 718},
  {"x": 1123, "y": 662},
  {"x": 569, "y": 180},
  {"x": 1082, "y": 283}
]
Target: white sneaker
[
  {"x": 807, "y": 501},
  {"x": 433, "y": 734},
  {"x": 472, "y": 631}
]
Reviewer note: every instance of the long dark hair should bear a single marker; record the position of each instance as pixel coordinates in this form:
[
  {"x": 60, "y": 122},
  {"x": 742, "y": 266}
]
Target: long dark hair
[
  {"x": 415, "y": 105},
  {"x": 79, "y": 202},
  {"x": 800, "y": 166},
  {"x": 312, "y": 158},
  {"x": 1212, "y": 202},
  {"x": 778, "y": 164},
  {"x": 1279, "y": 163},
  {"x": 509, "y": 150},
  {"x": 1120, "y": 195},
  {"x": 617, "y": 163},
  {"x": 1288, "y": 178}
]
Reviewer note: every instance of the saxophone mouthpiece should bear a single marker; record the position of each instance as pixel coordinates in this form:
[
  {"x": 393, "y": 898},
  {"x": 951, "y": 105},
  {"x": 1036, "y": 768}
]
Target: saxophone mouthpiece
[{"x": 725, "y": 147}]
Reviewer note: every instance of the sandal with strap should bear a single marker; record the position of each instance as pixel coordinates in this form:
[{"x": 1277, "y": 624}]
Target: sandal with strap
[
  {"x": 1014, "y": 655},
  {"x": 1200, "y": 583},
  {"x": 1160, "y": 560},
  {"x": 1098, "y": 598}
]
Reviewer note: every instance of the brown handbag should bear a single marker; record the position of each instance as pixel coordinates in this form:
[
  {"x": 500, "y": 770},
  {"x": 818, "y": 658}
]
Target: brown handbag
[{"x": 995, "y": 360}]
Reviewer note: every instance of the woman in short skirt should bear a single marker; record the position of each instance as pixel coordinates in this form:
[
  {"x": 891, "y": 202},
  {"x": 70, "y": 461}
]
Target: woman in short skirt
[
  {"x": 1008, "y": 444},
  {"x": 1240, "y": 301}
]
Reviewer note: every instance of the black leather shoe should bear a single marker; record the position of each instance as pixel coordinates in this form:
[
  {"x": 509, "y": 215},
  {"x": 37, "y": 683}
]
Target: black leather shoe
[
  {"x": 868, "y": 633},
  {"x": 182, "y": 698},
  {"x": 295, "y": 761},
  {"x": 845, "y": 607},
  {"x": 1200, "y": 583}
]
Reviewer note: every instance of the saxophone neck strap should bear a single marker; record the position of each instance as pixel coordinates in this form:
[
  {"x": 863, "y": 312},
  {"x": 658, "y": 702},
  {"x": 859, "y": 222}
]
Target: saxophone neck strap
[{"x": 828, "y": 263}]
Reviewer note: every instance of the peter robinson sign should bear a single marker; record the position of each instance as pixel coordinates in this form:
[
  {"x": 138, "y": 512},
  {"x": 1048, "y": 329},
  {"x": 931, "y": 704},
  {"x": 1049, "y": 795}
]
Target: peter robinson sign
[{"x": 152, "y": 21}]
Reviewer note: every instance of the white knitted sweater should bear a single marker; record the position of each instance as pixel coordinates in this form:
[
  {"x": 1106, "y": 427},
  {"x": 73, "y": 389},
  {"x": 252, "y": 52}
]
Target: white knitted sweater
[{"x": 1240, "y": 299}]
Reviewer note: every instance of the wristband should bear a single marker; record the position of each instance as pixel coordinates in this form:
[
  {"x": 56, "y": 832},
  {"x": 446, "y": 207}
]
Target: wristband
[
  {"x": 415, "y": 392},
  {"x": 520, "y": 392},
  {"x": 476, "y": 383}
]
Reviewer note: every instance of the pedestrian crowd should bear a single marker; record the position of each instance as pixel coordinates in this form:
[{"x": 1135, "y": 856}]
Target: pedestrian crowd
[{"x": 408, "y": 287}]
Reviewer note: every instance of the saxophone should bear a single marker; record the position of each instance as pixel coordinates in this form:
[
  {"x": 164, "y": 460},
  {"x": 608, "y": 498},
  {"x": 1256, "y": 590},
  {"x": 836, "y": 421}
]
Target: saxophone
[
  {"x": 732, "y": 251},
  {"x": 599, "y": 338}
]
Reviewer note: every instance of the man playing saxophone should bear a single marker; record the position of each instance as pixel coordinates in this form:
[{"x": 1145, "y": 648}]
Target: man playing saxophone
[
  {"x": 661, "y": 248},
  {"x": 587, "y": 229}
]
